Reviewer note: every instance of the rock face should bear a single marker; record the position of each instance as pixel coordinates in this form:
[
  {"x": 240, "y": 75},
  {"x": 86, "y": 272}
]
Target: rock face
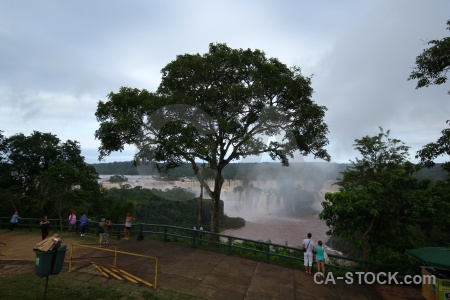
[{"x": 290, "y": 198}]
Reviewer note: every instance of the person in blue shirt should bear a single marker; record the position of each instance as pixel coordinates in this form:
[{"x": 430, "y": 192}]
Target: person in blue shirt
[
  {"x": 14, "y": 221},
  {"x": 83, "y": 223},
  {"x": 320, "y": 257}
]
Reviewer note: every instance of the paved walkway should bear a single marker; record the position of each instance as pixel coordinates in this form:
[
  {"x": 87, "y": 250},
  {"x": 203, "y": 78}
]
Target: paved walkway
[{"x": 210, "y": 275}]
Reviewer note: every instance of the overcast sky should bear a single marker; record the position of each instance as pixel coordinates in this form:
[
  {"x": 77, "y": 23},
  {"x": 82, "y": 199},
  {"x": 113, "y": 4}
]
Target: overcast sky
[{"x": 59, "y": 58}]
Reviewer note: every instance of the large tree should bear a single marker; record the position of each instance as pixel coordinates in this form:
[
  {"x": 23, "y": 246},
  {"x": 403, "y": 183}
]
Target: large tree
[
  {"x": 431, "y": 69},
  {"x": 379, "y": 203},
  {"x": 216, "y": 108},
  {"x": 433, "y": 64},
  {"x": 42, "y": 175}
]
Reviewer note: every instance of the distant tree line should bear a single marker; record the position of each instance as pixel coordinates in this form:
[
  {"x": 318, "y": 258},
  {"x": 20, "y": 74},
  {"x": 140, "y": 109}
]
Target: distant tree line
[
  {"x": 41, "y": 175},
  {"x": 177, "y": 207},
  {"x": 318, "y": 172}
]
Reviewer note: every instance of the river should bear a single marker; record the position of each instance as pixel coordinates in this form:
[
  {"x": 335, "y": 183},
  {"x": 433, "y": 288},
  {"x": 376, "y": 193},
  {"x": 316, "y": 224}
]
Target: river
[{"x": 280, "y": 230}]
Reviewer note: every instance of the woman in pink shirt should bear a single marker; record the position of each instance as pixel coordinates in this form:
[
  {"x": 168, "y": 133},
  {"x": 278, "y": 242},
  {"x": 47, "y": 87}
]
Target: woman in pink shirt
[{"x": 73, "y": 222}]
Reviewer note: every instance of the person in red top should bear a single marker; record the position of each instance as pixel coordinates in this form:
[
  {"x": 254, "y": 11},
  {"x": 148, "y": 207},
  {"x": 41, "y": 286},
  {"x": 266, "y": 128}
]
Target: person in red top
[{"x": 45, "y": 227}]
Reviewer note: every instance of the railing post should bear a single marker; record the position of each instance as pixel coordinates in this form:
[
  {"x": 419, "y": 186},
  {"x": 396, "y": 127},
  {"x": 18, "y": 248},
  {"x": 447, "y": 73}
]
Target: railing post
[
  {"x": 30, "y": 225},
  {"x": 267, "y": 253},
  {"x": 230, "y": 248},
  {"x": 165, "y": 233},
  {"x": 194, "y": 238}
]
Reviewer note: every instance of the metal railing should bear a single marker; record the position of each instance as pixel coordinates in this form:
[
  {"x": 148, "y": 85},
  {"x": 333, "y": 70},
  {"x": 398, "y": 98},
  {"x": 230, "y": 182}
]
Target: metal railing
[
  {"x": 115, "y": 258},
  {"x": 265, "y": 251}
]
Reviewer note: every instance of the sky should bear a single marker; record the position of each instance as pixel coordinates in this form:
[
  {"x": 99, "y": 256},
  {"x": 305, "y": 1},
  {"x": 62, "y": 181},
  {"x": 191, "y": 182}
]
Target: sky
[{"x": 59, "y": 58}]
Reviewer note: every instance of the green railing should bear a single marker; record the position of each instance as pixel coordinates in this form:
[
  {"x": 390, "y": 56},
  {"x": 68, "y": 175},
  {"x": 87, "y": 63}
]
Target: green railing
[{"x": 232, "y": 245}]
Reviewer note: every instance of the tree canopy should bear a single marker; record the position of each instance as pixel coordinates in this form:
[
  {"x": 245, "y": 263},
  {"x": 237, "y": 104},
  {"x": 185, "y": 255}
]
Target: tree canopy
[
  {"x": 379, "y": 204},
  {"x": 42, "y": 175},
  {"x": 431, "y": 69},
  {"x": 216, "y": 108},
  {"x": 433, "y": 64}
]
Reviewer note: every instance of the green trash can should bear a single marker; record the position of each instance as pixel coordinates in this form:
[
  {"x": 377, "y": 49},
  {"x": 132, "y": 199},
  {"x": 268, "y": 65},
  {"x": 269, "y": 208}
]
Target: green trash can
[
  {"x": 43, "y": 263},
  {"x": 58, "y": 259}
]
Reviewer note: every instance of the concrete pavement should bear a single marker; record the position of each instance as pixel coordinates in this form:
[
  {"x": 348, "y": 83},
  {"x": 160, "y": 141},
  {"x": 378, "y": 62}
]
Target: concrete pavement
[{"x": 212, "y": 275}]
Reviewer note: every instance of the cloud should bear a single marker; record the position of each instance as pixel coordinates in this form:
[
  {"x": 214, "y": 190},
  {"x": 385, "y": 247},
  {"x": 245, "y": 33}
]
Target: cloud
[{"x": 59, "y": 58}]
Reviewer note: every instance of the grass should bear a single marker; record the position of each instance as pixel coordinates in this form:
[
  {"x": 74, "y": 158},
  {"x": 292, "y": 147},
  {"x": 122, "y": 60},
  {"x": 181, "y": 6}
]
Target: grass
[
  {"x": 22, "y": 285},
  {"x": 29, "y": 286}
]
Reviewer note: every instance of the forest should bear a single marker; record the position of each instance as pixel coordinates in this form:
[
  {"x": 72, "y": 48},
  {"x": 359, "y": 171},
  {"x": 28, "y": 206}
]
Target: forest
[
  {"x": 316, "y": 171},
  {"x": 169, "y": 207}
]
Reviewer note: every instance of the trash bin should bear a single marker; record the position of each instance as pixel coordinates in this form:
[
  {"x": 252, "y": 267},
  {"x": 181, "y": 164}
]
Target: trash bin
[
  {"x": 443, "y": 284},
  {"x": 43, "y": 263},
  {"x": 439, "y": 290},
  {"x": 58, "y": 259}
]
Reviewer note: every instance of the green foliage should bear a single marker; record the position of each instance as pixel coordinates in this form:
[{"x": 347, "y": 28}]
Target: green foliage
[
  {"x": 42, "y": 175},
  {"x": 318, "y": 172},
  {"x": 176, "y": 207},
  {"x": 117, "y": 178},
  {"x": 379, "y": 202},
  {"x": 215, "y": 108},
  {"x": 436, "y": 225},
  {"x": 433, "y": 64},
  {"x": 62, "y": 287},
  {"x": 431, "y": 151},
  {"x": 231, "y": 222}
]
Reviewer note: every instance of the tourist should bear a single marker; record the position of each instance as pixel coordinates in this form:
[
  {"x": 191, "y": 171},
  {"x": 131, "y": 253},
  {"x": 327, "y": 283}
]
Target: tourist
[
  {"x": 73, "y": 222},
  {"x": 83, "y": 224},
  {"x": 320, "y": 257},
  {"x": 45, "y": 227},
  {"x": 103, "y": 226},
  {"x": 108, "y": 229},
  {"x": 128, "y": 224},
  {"x": 14, "y": 221},
  {"x": 308, "y": 245}
]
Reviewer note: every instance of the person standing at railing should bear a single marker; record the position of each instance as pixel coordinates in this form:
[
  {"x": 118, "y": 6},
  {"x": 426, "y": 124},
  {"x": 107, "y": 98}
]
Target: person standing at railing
[
  {"x": 73, "y": 222},
  {"x": 320, "y": 257},
  {"x": 103, "y": 226},
  {"x": 108, "y": 229},
  {"x": 83, "y": 224},
  {"x": 14, "y": 221},
  {"x": 45, "y": 227},
  {"x": 308, "y": 245},
  {"x": 128, "y": 224}
]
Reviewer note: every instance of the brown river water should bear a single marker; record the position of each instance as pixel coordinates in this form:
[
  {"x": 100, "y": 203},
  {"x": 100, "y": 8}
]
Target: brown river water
[
  {"x": 264, "y": 221},
  {"x": 280, "y": 230}
]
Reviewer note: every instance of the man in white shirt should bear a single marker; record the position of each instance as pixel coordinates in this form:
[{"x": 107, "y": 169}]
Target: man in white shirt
[{"x": 308, "y": 245}]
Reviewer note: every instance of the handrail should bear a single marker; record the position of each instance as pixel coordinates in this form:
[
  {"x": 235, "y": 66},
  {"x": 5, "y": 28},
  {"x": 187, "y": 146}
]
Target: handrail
[
  {"x": 232, "y": 244},
  {"x": 155, "y": 279}
]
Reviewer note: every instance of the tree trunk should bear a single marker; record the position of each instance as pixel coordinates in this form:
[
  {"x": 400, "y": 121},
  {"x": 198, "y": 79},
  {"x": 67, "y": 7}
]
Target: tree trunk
[
  {"x": 215, "y": 198},
  {"x": 200, "y": 209},
  {"x": 364, "y": 243}
]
